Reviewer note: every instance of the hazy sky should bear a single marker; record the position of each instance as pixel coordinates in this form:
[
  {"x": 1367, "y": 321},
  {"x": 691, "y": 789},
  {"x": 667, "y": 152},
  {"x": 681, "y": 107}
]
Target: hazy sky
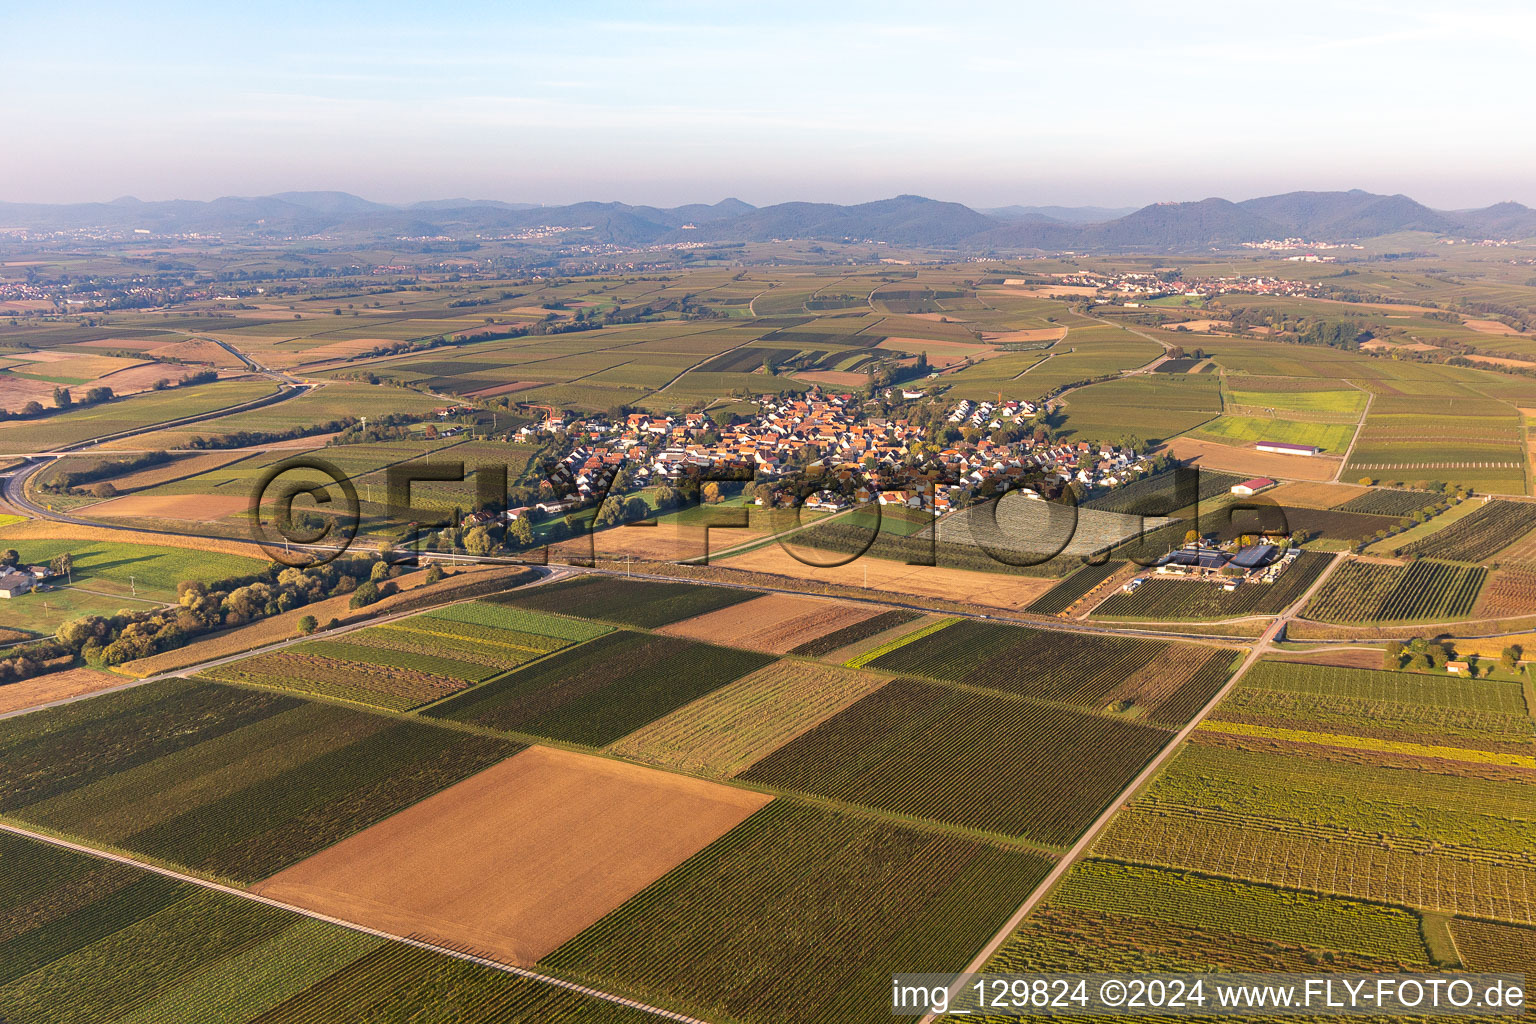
[{"x": 988, "y": 104}]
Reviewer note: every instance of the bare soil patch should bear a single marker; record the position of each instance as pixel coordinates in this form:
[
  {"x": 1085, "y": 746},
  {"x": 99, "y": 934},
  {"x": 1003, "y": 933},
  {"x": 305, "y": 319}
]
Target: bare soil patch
[
  {"x": 1342, "y": 659},
  {"x": 774, "y": 623},
  {"x": 1228, "y": 459},
  {"x": 1316, "y": 495},
  {"x": 74, "y": 682},
  {"x": 1018, "y": 337},
  {"x": 519, "y": 858},
  {"x": 994, "y": 589},
  {"x": 191, "y": 508},
  {"x": 1490, "y": 327}
]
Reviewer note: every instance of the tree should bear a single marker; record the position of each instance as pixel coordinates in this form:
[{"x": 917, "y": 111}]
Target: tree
[
  {"x": 520, "y": 532},
  {"x": 434, "y": 573},
  {"x": 379, "y": 572},
  {"x": 308, "y": 624},
  {"x": 104, "y": 489},
  {"x": 62, "y": 398},
  {"x": 478, "y": 541},
  {"x": 9, "y": 557},
  {"x": 1510, "y": 658},
  {"x": 364, "y": 595},
  {"x": 1191, "y": 536},
  {"x": 1392, "y": 657},
  {"x": 711, "y": 492},
  {"x": 62, "y": 564},
  {"x": 1366, "y": 481}
]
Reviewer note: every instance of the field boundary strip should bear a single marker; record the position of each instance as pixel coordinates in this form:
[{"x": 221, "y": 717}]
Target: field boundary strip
[
  {"x": 901, "y": 641},
  {"x": 407, "y": 940}
]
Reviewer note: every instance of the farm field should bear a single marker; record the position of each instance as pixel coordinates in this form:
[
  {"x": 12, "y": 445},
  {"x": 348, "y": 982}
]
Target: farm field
[
  {"x": 1426, "y": 833},
  {"x": 410, "y": 662},
  {"x": 829, "y": 643},
  {"x": 986, "y": 762},
  {"x": 1220, "y": 457},
  {"x": 812, "y": 893},
  {"x": 1479, "y": 535},
  {"x": 78, "y": 425},
  {"x": 641, "y": 603},
  {"x": 1407, "y": 439},
  {"x": 94, "y": 940},
  {"x": 722, "y": 733},
  {"x": 230, "y": 782},
  {"x": 776, "y": 623},
  {"x": 1377, "y": 592},
  {"x": 597, "y": 692},
  {"x": 540, "y": 846},
  {"x": 894, "y": 576}
]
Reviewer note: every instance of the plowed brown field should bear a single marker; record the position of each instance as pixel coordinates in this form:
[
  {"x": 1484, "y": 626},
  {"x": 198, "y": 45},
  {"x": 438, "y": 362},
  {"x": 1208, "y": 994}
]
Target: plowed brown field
[{"x": 519, "y": 858}]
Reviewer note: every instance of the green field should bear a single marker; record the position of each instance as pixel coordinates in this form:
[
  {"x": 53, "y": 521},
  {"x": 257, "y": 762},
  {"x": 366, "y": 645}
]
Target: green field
[{"x": 126, "y": 414}]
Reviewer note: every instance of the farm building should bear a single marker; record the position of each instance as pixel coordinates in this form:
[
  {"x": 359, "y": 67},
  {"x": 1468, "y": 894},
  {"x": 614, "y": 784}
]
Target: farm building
[
  {"x": 1284, "y": 448},
  {"x": 1192, "y": 561},
  {"x": 1255, "y": 557},
  {"x": 13, "y": 583},
  {"x": 1254, "y": 486}
]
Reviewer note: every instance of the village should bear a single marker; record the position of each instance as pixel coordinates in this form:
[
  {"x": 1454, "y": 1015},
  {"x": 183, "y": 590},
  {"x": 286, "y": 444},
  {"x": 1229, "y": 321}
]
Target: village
[{"x": 828, "y": 440}]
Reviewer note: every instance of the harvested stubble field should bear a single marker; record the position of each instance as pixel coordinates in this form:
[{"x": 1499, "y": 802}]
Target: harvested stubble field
[
  {"x": 724, "y": 732},
  {"x": 644, "y": 603},
  {"x": 1320, "y": 495},
  {"x": 29, "y": 693},
  {"x": 1377, "y": 592},
  {"x": 775, "y": 623},
  {"x": 516, "y": 860},
  {"x": 1478, "y": 535},
  {"x": 994, "y": 589},
  {"x": 800, "y": 915},
  {"x": 1165, "y": 600},
  {"x": 1249, "y": 461},
  {"x": 237, "y": 783},
  {"x": 988, "y": 762},
  {"x": 89, "y": 939},
  {"x": 601, "y": 690}
]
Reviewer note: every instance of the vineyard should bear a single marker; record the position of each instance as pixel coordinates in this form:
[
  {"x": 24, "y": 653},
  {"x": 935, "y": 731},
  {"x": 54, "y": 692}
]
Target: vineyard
[
  {"x": 1374, "y": 592},
  {"x": 406, "y": 664},
  {"x": 1194, "y": 901},
  {"x": 1383, "y": 502},
  {"x": 1070, "y": 590},
  {"x": 723, "y": 732},
  {"x": 601, "y": 690},
  {"x": 1081, "y": 668},
  {"x": 88, "y": 939},
  {"x": 1508, "y": 592},
  {"x": 234, "y": 782},
  {"x": 1165, "y": 600},
  {"x": 646, "y": 604},
  {"x": 991, "y": 763},
  {"x": 848, "y": 635},
  {"x": 1321, "y": 859},
  {"x": 1476, "y": 537},
  {"x": 800, "y": 916}
]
